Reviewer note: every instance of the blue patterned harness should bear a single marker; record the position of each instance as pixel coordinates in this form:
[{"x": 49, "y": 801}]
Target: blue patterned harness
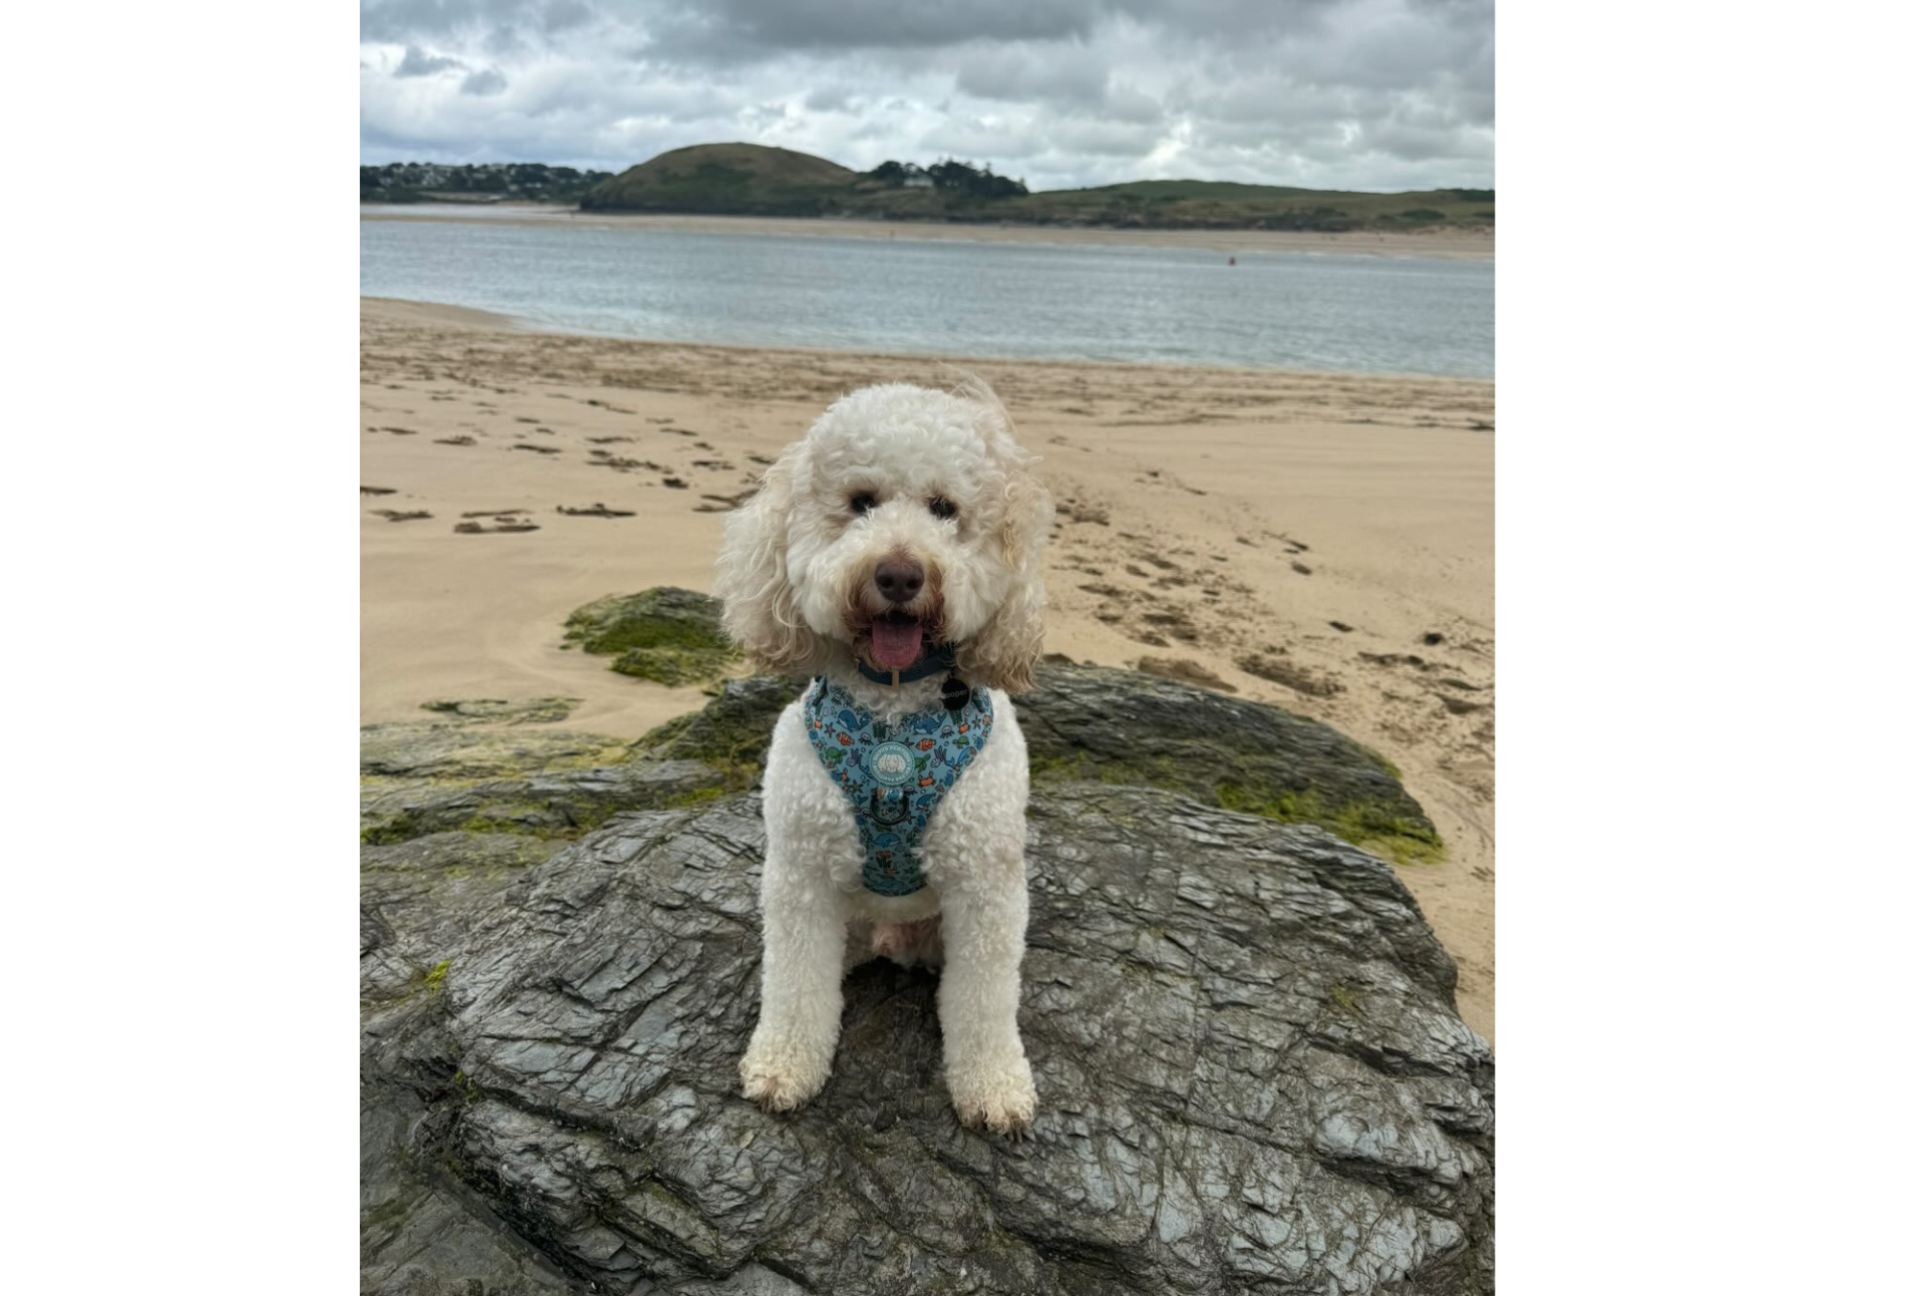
[{"x": 894, "y": 774}]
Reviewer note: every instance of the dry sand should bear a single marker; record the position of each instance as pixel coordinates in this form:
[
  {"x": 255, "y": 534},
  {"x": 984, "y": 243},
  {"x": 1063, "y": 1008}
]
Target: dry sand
[
  {"x": 1222, "y": 518},
  {"x": 1449, "y": 242}
]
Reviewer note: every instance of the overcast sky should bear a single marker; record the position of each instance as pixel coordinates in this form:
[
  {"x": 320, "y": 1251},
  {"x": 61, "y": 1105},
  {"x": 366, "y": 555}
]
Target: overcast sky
[{"x": 1336, "y": 94}]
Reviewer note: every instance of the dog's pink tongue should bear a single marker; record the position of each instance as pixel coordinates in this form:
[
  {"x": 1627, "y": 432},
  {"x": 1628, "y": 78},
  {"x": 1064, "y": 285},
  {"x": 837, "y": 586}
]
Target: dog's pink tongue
[{"x": 896, "y": 645}]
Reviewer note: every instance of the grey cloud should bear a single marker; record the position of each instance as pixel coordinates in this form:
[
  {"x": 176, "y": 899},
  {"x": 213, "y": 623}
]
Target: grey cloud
[
  {"x": 487, "y": 81},
  {"x": 417, "y": 62},
  {"x": 738, "y": 26},
  {"x": 740, "y": 29},
  {"x": 1124, "y": 103},
  {"x": 1105, "y": 138},
  {"x": 399, "y": 20},
  {"x": 564, "y": 15},
  {"x": 1053, "y": 72}
]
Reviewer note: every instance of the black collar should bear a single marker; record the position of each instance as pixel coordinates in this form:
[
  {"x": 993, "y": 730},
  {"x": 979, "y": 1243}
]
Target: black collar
[{"x": 938, "y": 659}]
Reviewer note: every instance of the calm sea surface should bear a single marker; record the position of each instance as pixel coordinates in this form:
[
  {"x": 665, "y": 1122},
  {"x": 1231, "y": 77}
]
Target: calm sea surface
[{"x": 1290, "y": 310}]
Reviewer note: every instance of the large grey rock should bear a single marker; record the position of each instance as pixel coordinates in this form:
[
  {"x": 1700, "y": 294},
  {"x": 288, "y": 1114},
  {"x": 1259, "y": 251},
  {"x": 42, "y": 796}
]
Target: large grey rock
[{"x": 1252, "y": 1077}]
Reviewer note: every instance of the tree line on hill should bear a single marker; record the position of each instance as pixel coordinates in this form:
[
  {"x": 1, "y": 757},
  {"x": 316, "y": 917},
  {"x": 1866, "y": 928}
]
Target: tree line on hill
[{"x": 949, "y": 175}]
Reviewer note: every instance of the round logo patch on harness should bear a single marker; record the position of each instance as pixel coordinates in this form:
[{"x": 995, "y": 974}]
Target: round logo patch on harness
[{"x": 891, "y": 763}]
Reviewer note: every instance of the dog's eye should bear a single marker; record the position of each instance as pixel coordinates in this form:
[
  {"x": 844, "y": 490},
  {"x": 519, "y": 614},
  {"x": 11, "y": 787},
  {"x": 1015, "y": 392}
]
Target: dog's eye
[
  {"x": 862, "y": 502},
  {"x": 942, "y": 507}
]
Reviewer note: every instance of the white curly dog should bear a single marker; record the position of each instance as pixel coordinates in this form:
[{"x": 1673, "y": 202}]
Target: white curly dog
[{"x": 893, "y": 554}]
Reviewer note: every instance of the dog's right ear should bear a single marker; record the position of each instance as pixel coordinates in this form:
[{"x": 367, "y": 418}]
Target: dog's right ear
[{"x": 761, "y": 613}]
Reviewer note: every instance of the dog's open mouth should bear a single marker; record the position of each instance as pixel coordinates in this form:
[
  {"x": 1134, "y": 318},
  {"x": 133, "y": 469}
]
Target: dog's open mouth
[{"x": 896, "y": 640}]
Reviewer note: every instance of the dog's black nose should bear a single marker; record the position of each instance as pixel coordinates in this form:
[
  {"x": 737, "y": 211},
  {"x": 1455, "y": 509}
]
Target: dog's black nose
[{"x": 899, "y": 582}]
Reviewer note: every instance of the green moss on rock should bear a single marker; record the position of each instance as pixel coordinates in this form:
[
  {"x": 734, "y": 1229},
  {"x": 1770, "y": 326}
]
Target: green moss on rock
[
  {"x": 674, "y": 667},
  {"x": 669, "y": 635},
  {"x": 1370, "y": 824},
  {"x": 1097, "y": 725},
  {"x": 730, "y": 734}
]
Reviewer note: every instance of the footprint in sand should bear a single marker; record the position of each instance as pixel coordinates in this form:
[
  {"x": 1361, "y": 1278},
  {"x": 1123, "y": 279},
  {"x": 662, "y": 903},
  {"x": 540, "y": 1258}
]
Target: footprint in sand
[
  {"x": 607, "y": 459},
  {"x": 1174, "y": 622},
  {"x": 1078, "y": 511},
  {"x": 376, "y": 490},
  {"x": 1269, "y": 667},
  {"x": 394, "y": 515},
  {"x": 509, "y": 521},
  {"x": 537, "y": 449},
  {"x": 598, "y": 510},
  {"x": 725, "y": 503},
  {"x": 474, "y": 528},
  {"x": 462, "y": 440}
]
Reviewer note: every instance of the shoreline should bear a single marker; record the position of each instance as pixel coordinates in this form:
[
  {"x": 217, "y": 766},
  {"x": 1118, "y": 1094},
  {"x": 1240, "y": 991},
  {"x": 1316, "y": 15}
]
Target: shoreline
[
  {"x": 446, "y": 314},
  {"x": 1321, "y": 542},
  {"x": 1451, "y": 244}
]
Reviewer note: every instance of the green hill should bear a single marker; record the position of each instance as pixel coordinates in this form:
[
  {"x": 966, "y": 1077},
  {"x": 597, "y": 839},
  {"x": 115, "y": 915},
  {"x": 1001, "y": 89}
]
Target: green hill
[{"x": 741, "y": 179}]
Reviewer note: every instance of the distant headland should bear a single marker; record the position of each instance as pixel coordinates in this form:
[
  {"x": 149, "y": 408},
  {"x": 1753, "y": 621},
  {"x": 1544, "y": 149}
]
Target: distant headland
[{"x": 756, "y": 180}]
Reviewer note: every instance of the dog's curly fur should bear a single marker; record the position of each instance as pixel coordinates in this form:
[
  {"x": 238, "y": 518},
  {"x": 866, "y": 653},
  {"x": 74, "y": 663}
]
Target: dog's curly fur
[{"x": 873, "y": 482}]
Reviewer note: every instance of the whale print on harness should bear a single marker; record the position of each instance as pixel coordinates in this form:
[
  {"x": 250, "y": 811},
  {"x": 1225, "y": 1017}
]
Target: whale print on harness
[{"x": 894, "y": 775}]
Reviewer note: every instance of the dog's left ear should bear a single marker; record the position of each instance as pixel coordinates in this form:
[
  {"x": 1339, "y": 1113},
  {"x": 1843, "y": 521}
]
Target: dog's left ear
[{"x": 1003, "y": 654}]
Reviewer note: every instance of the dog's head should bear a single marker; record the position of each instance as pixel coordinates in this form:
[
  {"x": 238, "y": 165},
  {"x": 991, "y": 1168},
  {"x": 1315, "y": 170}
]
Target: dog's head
[{"x": 905, "y": 518}]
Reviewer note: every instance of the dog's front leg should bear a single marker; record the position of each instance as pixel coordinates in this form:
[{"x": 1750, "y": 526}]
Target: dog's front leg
[
  {"x": 985, "y": 929},
  {"x": 804, "y": 922}
]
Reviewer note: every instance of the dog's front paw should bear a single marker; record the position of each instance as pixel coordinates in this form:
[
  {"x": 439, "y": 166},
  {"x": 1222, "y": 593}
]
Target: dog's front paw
[
  {"x": 998, "y": 1100},
  {"x": 779, "y": 1080}
]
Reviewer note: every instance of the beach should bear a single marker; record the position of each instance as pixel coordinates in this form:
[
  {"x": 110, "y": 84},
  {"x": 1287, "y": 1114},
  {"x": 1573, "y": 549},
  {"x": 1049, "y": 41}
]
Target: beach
[
  {"x": 1323, "y": 542},
  {"x": 1470, "y": 244}
]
